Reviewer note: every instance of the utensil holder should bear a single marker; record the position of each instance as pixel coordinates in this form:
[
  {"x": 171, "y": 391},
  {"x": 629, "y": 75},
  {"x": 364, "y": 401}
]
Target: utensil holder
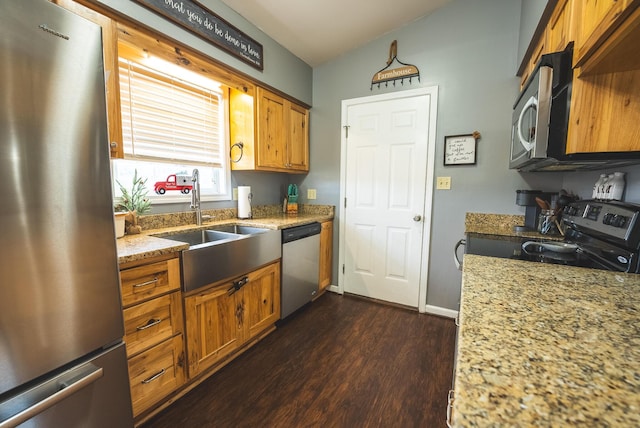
[{"x": 547, "y": 224}]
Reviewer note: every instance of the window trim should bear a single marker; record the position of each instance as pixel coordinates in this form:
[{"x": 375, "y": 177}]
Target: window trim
[{"x": 133, "y": 54}]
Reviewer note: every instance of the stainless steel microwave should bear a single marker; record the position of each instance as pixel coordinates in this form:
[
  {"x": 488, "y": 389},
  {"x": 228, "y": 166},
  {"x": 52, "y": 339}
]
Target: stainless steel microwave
[
  {"x": 541, "y": 114},
  {"x": 540, "y": 123}
]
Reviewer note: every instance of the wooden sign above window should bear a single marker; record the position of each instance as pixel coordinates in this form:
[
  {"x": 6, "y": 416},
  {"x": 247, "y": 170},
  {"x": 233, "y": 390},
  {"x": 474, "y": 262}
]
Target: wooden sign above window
[{"x": 206, "y": 24}]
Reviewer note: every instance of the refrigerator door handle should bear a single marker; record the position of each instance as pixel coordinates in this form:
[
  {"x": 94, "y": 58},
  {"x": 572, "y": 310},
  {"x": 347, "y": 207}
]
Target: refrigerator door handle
[{"x": 66, "y": 386}]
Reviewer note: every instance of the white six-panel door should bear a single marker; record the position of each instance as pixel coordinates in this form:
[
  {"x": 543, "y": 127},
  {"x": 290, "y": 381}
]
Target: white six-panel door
[{"x": 385, "y": 179}]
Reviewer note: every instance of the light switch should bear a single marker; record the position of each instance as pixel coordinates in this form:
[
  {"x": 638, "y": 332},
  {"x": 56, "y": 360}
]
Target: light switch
[
  {"x": 311, "y": 193},
  {"x": 443, "y": 183},
  {"x": 235, "y": 193}
]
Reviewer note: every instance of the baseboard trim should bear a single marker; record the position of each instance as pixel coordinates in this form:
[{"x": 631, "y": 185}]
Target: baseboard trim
[{"x": 443, "y": 312}]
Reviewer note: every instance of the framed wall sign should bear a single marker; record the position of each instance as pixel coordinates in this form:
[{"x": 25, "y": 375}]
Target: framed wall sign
[
  {"x": 201, "y": 21},
  {"x": 460, "y": 150}
]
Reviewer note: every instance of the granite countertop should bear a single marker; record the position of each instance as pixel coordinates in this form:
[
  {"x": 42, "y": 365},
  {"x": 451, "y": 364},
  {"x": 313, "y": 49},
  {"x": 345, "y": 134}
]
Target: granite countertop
[
  {"x": 143, "y": 246},
  {"x": 501, "y": 225},
  {"x": 548, "y": 346}
]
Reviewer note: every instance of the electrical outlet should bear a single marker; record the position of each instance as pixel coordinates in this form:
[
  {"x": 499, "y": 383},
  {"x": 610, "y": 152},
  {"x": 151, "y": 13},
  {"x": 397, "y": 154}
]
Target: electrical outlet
[
  {"x": 443, "y": 183},
  {"x": 311, "y": 193},
  {"x": 235, "y": 193}
]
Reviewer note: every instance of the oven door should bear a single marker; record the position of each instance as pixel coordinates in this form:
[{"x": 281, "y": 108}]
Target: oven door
[
  {"x": 530, "y": 121},
  {"x": 509, "y": 247}
]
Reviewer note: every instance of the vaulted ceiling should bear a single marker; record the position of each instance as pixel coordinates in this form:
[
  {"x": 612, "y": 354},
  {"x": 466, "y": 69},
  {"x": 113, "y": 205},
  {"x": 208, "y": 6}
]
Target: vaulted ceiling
[{"x": 318, "y": 31}]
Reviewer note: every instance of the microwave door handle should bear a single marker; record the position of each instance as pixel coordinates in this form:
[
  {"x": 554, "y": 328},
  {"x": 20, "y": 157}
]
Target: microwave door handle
[{"x": 533, "y": 102}]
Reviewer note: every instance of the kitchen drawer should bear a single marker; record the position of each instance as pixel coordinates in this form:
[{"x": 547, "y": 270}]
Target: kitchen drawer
[
  {"x": 156, "y": 373},
  {"x": 145, "y": 282},
  {"x": 149, "y": 323}
]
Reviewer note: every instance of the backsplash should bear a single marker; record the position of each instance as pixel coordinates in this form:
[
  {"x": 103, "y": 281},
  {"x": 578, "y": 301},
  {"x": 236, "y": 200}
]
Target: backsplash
[
  {"x": 159, "y": 221},
  {"x": 477, "y": 222}
]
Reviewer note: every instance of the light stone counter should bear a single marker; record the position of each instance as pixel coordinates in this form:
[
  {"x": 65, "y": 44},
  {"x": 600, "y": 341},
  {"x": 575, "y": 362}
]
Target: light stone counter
[
  {"x": 132, "y": 248},
  {"x": 547, "y": 346},
  {"x": 501, "y": 225}
]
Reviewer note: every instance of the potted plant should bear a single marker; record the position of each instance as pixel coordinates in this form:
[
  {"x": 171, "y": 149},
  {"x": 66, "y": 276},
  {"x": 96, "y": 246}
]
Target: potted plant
[{"x": 134, "y": 202}]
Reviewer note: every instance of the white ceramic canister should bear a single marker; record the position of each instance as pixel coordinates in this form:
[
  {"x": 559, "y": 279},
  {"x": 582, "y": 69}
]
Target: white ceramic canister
[
  {"x": 597, "y": 187},
  {"x": 603, "y": 187},
  {"x": 616, "y": 185}
]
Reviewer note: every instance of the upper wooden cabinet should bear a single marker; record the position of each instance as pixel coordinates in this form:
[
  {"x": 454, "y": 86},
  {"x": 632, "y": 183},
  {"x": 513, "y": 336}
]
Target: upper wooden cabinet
[
  {"x": 613, "y": 45},
  {"x": 298, "y": 146},
  {"x": 558, "y": 32},
  {"x": 110, "y": 52},
  {"x": 273, "y": 131},
  {"x": 555, "y": 37},
  {"x": 595, "y": 20},
  {"x": 604, "y": 114}
]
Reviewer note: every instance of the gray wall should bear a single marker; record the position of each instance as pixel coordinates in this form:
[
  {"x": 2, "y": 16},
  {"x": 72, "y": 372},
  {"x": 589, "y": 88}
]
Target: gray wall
[
  {"x": 529, "y": 17},
  {"x": 282, "y": 70},
  {"x": 469, "y": 50},
  {"x": 581, "y": 183}
]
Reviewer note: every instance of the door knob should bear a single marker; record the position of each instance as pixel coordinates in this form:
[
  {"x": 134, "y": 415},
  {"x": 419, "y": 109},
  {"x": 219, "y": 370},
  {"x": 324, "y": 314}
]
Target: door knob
[{"x": 417, "y": 217}]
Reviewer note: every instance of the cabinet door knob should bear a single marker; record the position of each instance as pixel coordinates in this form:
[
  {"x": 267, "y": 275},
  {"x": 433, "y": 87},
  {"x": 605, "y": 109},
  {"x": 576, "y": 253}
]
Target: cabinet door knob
[{"x": 417, "y": 217}]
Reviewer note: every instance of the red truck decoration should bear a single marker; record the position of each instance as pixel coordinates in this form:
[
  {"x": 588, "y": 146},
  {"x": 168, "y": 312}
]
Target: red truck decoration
[{"x": 183, "y": 183}]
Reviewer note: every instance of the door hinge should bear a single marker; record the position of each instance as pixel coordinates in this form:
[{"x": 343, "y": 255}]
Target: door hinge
[
  {"x": 346, "y": 131},
  {"x": 343, "y": 269},
  {"x": 345, "y": 202}
]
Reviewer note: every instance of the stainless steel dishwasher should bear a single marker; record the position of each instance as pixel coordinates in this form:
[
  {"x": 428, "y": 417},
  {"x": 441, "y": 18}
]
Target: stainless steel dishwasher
[{"x": 300, "y": 266}]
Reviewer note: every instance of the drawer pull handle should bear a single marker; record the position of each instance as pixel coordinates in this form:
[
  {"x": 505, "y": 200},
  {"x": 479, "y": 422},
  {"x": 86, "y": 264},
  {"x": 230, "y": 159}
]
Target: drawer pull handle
[
  {"x": 237, "y": 285},
  {"x": 149, "y": 323},
  {"x": 144, "y": 284},
  {"x": 154, "y": 377}
]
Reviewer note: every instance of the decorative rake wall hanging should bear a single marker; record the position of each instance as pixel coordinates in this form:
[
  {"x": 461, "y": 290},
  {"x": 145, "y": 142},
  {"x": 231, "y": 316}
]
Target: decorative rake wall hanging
[{"x": 386, "y": 75}]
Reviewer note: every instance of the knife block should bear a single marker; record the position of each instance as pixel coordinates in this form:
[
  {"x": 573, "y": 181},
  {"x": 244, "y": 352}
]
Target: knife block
[{"x": 292, "y": 208}]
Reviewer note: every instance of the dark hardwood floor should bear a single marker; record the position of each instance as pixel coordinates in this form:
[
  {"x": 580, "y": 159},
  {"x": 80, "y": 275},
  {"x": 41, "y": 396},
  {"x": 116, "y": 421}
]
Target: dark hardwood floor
[{"x": 340, "y": 362}]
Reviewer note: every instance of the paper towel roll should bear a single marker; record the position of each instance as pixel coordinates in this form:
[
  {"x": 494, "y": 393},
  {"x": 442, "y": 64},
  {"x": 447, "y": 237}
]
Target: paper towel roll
[{"x": 244, "y": 201}]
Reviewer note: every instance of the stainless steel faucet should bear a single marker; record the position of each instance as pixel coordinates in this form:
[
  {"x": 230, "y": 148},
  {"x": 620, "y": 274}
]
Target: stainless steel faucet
[{"x": 195, "y": 196}]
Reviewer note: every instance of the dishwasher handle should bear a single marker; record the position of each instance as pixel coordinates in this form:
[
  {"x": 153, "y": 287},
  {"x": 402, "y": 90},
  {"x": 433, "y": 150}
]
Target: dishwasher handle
[
  {"x": 291, "y": 234},
  {"x": 456, "y": 260}
]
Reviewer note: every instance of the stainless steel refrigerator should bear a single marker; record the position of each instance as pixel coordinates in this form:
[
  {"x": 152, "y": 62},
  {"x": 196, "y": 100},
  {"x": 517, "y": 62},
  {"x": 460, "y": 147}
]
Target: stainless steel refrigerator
[{"x": 62, "y": 359}]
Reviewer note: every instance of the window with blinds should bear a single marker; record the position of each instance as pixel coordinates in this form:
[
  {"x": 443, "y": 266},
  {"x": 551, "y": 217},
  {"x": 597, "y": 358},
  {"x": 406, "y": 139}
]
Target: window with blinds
[
  {"x": 173, "y": 122},
  {"x": 165, "y": 119}
]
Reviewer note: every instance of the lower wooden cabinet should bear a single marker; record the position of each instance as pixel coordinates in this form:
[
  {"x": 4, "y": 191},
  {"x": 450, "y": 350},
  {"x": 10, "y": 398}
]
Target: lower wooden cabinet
[
  {"x": 152, "y": 322},
  {"x": 225, "y": 316},
  {"x": 212, "y": 324},
  {"x": 156, "y": 372},
  {"x": 326, "y": 255},
  {"x": 153, "y": 319}
]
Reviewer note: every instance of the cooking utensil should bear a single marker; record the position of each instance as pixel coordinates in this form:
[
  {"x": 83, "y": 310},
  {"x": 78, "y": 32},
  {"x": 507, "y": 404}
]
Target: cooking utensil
[{"x": 543, "y": 204}]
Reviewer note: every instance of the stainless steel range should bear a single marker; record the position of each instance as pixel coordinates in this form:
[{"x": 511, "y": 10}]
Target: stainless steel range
[{"x": 598, "y": 234}]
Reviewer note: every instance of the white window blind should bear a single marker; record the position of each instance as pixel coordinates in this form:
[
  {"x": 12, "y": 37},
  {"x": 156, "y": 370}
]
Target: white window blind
[{"x": 168, "y": 120}]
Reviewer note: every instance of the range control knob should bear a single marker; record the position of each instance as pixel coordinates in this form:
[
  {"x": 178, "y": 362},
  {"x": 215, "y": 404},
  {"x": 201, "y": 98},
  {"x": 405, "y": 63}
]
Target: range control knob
[
  {"x": 608, "y": 218},
  {"x": 569, "y": 210},
  {"x": 619, "y": 221}
]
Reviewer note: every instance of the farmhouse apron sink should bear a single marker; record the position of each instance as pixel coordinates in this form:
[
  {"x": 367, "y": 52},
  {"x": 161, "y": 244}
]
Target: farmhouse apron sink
[{"x": 223, "y": 252}]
